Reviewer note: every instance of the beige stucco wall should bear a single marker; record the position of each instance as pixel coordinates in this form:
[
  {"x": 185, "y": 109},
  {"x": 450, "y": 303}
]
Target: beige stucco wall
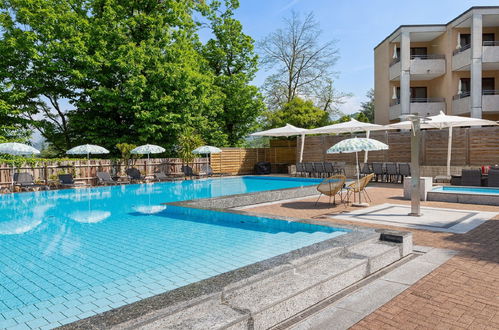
[{"x": 445, "y": 86}]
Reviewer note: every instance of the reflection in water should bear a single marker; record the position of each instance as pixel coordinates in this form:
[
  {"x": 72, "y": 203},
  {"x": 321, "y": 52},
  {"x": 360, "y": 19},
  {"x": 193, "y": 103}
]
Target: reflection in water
[
  {"x": 23, "y": 220},
  {"x": 149, "y": 209},
  {"x": 89, "y": 216}
]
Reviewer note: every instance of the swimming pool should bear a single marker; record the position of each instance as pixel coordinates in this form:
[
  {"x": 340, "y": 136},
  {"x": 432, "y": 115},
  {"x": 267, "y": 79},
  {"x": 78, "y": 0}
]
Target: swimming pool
[
  {"x": 466, "y": 195},
  {"x": 468, "y": 190},
  {"x": 69, "y": 254}
]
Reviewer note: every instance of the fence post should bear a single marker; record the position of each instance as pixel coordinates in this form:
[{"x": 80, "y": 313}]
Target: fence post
[{"x": 467, "y": 144}]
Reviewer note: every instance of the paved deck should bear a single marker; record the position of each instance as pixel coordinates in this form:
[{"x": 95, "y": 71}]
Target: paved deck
[{"x": 463, "y": 293}]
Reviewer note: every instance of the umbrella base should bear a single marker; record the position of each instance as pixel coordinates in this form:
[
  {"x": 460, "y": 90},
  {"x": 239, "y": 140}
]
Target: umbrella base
[{"x": 360, "y": 204}]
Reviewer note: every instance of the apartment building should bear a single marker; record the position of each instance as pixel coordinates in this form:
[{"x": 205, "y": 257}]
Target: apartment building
[{"x": 451, "y": 67}]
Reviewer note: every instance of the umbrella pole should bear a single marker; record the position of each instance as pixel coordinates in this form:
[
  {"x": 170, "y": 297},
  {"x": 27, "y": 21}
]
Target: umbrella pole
[
  {"x": 449, "y": 151},
  {"x": 302, "y": 147},
  {"x": 358, "y": 174},
  {"x": 366, "y": 152}
]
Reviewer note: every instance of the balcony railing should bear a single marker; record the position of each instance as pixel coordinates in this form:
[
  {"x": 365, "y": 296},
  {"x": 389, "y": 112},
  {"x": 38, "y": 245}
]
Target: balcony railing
[
  {"x": 419, "y": 100},
  {"x": 461, "y": 95},
  {"x": 428, "y": 57},
  {"x": 491, "y": 43},
  {"x": 461, "y": 49},
  {"x": 394, "y": 61},
  {"x": 490, "y": 92}
]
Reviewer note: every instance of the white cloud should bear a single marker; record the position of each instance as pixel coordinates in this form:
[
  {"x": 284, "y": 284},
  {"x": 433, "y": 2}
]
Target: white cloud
[{"x": 351, "y": 105}]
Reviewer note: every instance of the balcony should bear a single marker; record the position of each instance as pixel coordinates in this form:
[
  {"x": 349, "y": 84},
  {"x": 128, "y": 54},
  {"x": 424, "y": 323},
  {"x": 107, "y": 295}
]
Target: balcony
[
  {"x": 461, "y": 58},
  {"x": 422, "y": 67},
  {"x": 423, "y": 106},
  {"x": 461, "y": 104},
  {"x": 490, "y": 56},
  {"x": 490, "y": 101}
]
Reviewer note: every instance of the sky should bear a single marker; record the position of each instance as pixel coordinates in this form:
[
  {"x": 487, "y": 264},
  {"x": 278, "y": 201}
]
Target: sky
[{"x": 357, "y": 25}]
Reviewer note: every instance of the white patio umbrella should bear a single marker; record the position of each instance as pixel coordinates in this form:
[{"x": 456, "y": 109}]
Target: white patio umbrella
[
  {"x": 87, "y": 149},
  {"x": 445, "y": 121},
  {"x": 288, "y": 130},
  {"x": 356, "y": 145},
  {"x": 206, "y": 150},
  {"x": 148, "y": 149},
  {"x": 351, "y": 126},
  {"x": 17, "y": 149}
]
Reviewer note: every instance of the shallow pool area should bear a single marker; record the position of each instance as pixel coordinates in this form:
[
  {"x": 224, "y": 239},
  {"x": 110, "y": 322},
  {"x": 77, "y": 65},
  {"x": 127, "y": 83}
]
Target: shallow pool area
[
  {"x": 70, "y": 254},
  {"x": 466, "y": 195}
]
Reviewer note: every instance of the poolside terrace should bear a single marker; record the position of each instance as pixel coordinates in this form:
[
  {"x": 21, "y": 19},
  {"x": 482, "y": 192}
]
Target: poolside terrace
[{"x": 463, "y": 293}]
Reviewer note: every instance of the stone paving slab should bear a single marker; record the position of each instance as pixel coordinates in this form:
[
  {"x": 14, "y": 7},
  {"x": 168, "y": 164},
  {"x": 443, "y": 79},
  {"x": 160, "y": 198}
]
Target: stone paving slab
[
  {"x": 432, "y": 218},
  {"x": 354, "y": 307}
]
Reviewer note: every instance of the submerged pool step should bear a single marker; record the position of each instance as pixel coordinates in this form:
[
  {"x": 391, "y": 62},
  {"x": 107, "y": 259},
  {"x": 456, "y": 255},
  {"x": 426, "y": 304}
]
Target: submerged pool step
[{"x": 265, "y": 299}]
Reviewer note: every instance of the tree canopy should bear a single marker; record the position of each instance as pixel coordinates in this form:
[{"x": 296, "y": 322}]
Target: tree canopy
[
  {"x": 123, "y": 71},
  {"x": 300, "y": 113}
]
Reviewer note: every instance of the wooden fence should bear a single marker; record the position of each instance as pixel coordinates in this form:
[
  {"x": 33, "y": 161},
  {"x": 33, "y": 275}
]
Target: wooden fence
[
  {"x": 86, "y": 170},
  {"x": 470, "y": 147}
]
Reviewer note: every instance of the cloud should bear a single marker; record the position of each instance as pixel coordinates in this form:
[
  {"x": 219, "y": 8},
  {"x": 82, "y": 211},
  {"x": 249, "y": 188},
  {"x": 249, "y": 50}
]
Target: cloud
[{"x": 351, "y": 105}]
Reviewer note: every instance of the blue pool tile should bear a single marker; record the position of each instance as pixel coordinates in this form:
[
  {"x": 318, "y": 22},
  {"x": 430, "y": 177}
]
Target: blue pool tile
[
  {"x": 24, "y": 318},
  {"x": 69, "y": 320},
  {"x": 54, "y": 317},
  {"x": 72, "y": 312},
  {"x": 37, "y": 323},
  {"x": 9, "y": 323}
]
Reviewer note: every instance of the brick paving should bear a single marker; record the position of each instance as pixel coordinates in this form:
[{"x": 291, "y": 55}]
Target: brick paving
[{"x": 463, "y": 293}]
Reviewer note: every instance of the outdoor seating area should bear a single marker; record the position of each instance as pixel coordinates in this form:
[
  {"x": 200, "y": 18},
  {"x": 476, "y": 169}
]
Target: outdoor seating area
[
  {"x": 476, "y": 177},
  {"x": 320, "y": 169}
]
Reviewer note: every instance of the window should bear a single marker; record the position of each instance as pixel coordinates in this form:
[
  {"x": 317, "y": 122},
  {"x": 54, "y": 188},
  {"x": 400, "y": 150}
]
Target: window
[
  {"x": 465, "y": 86},
  {"x": 418, "y": 94},
  {"x": 488, "y": 37},
  {"x": 488, "y": 85},
  {"x": 418, "y": 52},
  {"x": 465, "y": 39}
]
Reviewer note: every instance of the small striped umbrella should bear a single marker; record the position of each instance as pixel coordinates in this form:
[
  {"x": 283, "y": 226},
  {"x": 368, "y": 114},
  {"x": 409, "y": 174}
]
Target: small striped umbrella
[
  {"x": 357, "y": 145},
  {"x": 17, "y": 149},
  {"x": 148, "y": 149},
  {"x": 204, "y": 150},
  {"x": 87, "y": 149}
]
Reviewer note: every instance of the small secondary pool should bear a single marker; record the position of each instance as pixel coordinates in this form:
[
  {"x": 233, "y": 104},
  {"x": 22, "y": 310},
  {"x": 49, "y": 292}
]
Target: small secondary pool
[
  {"x": 467, "y": 190},
  {"x": 70, "y": 254},
  {"x": 465, "y": 195}
]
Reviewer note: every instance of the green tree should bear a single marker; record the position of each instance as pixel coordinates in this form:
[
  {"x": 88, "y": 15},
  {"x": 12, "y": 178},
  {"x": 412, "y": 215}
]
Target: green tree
[
  {"x": 187, "y": 142},
  {"x": 126, "y": 155},
  {"x": 145, "y": 78},
  {"x": 367, "y": 107},
  {"x": 298, "y": 112},
  {"x": 231, "y": 57}
]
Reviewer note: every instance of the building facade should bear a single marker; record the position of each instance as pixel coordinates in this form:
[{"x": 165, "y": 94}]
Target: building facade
[{"x": 451, "y": 67}]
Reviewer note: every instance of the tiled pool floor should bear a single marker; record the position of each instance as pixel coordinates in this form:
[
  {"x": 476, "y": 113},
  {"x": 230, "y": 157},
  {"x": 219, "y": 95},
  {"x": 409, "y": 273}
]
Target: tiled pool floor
[{"x": 64, "y": 270}]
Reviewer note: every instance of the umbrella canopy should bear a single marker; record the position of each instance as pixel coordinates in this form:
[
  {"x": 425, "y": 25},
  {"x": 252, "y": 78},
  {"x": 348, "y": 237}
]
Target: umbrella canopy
[
  {"x": 288, "y": 130},
  {"x": 356, "y": 145},
  {"x": 207, "y": 150},
  {"x": 347, "y": 127},
  {"x": 17, "y": 149},
  {"x": 87, "y": 149},
  {"x": 147, "y": 149}
]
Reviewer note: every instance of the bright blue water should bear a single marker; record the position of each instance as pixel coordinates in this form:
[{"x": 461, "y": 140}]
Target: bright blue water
[
  {"x": 69, "y": 254},
  {"x": 469, "y": 190}
]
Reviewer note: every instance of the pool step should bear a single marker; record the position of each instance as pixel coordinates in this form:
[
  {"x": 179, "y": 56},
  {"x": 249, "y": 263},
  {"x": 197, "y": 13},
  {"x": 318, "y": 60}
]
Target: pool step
[{"x": 265, "y": 299}]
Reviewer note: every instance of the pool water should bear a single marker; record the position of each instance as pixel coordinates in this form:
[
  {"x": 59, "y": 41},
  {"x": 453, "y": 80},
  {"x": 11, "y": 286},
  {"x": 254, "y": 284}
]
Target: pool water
[
  {"x": 70, "y": 254},
  {"x": 468, "y": 190}
]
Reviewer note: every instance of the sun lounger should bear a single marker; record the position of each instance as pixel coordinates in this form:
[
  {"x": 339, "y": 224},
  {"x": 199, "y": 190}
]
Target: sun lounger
[
  {"x": 160, "y": 176},
  {"x": 67, "y": 181},
  {"x": 25, "y": 181},
  {"x": 104, "y": 178},
  {"x": 134, "y": 175}
]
